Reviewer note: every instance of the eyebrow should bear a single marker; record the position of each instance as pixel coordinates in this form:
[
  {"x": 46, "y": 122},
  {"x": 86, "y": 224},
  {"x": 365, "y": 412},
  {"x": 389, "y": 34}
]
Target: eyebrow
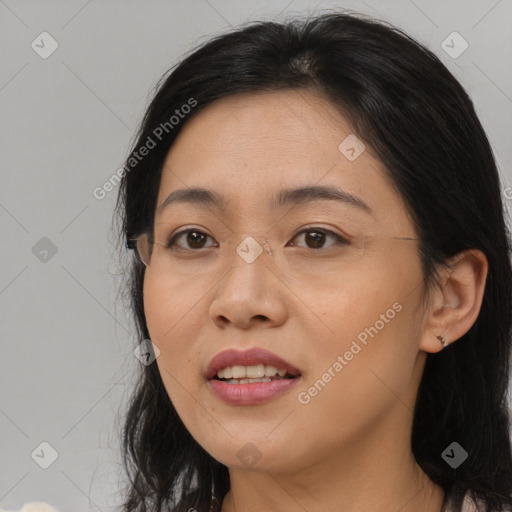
[{"x": 284, "y": 197}]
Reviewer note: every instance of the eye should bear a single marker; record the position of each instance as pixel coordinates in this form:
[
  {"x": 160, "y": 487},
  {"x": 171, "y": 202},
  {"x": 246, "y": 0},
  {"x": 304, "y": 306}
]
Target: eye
[
  {"x": 315, "y": 237},
  {"x": 194, "y": 238}
]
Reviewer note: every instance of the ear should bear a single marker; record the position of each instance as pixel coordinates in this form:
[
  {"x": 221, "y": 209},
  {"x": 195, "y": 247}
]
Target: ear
[{"x": 454, "y": 305}]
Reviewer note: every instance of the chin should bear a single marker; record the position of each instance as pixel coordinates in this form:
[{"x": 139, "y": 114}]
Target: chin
[{"x": 256, "y": 453}]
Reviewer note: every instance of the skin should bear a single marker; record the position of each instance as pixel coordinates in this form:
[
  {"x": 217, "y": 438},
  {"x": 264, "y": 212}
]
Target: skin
[{"x": 349, "y": 447}]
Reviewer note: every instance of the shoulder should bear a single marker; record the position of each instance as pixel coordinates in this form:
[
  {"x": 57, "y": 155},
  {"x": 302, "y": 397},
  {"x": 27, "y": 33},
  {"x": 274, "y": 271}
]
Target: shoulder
[
  {"x": 464, "y": 502},
  {"x": 469, "y": 504},
  {"x": 33, "y": 506}
]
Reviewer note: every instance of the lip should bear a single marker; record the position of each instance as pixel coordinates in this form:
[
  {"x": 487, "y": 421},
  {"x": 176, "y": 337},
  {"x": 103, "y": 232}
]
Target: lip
[
  {"x": 251, "y": 357},
  {"x": 255, "y": 392}
]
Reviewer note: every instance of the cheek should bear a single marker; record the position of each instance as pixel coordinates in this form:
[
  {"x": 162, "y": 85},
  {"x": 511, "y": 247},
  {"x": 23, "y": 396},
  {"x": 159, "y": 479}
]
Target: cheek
[
  {"x": 361, "y": 377},
  {"x": 160, "y": 308},
  {"x": 370, "y": 325},
  {"x": 171, "y": 307},
  {"x": 340, "y": 306},
  {"x": 172, "y": 317}
]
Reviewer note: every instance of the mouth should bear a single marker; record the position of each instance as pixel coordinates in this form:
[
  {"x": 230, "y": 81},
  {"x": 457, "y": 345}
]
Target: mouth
[
  {"x": 250, "y": 377},
  {"x": 251, "y": 374}
]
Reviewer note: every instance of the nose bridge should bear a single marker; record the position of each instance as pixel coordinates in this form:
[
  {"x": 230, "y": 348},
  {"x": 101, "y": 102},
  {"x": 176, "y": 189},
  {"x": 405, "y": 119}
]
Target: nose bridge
[
  {"x": 252, "y": 247},
  {"x": 249, "y": 260},
  {"x": 244, "y": 293}
]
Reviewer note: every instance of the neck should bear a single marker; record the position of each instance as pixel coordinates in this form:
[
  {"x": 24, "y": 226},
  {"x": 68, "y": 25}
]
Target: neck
[
  {"x": 281, "y": 493},
  {"x": 379, "y": 474}
]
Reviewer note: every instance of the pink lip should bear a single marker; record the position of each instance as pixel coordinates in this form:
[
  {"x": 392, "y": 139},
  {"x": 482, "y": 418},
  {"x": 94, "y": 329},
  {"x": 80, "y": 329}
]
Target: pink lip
[{"x": 250, "y": 393}]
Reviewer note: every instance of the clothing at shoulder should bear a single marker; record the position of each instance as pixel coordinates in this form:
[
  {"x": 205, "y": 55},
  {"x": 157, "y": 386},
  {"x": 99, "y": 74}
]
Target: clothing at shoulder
[
  {"x": 33, "y": 506},
  {"x": 468, "y": 505},
  {"x": 456, "y": 502}
]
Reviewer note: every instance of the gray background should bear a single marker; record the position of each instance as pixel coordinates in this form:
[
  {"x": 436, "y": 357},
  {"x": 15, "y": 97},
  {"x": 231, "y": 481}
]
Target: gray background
[{"x": 67, "y": 361}]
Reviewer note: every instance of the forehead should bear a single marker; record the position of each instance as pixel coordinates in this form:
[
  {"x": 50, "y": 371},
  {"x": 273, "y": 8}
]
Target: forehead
[{"x": 249, "y": 147}]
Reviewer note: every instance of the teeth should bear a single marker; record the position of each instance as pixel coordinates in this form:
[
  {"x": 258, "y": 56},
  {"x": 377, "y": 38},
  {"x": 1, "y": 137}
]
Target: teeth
[
  {"x": 248, "y": 381},
  {"x": 238, "y": 372},
  {"x": 255, "y": 372},
  {"x": 270, "y": 371},
  {"x": 250, "y": 372}
]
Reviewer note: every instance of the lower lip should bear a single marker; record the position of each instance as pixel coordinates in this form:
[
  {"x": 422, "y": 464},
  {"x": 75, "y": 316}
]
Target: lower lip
[{"x": 251, "y": 393}]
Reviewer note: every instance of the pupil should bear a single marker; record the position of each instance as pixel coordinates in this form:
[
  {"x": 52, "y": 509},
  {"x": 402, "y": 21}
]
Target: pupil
[
  {"x": 191, "y": 238},
  {"x": 317, "y": 241}
]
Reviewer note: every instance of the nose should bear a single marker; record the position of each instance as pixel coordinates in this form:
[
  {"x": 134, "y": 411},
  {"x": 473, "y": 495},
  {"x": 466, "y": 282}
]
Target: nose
[{"x": 249, "y": 295}]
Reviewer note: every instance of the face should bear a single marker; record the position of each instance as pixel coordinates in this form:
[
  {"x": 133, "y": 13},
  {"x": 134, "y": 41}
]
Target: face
[{"x": 331, "y": 286}]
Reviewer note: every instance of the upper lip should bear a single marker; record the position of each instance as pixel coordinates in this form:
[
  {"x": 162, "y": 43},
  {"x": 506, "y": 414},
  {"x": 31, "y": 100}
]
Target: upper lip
[{"x": 251, "y": 357}]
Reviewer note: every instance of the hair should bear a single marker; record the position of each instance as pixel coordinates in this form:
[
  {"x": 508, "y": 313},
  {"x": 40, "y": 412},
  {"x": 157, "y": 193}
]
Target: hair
[{"x": 404, "y": 104}]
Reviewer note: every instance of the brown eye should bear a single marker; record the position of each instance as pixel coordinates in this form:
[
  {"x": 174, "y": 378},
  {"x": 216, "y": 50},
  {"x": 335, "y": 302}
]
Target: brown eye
[
  {"x": 315, "y": 238},
  {"x": 194, "y": 239}
]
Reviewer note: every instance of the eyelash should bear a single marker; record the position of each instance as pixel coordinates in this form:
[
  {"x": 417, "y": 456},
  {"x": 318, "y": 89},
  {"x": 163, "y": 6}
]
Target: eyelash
[{"x": 339, "y": 239}]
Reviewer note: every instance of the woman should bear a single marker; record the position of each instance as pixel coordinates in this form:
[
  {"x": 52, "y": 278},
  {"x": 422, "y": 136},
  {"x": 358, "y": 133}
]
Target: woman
[{"x": 322, "y": 267}]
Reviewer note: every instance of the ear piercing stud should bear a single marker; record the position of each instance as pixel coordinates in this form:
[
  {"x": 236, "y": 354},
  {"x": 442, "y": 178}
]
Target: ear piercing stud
[{"x": 442, "y": 339}]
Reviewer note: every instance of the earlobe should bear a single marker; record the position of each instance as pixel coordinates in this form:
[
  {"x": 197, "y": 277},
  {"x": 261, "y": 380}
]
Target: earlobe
[
  {"x": 443, "y": 341},
  {"x": 456, "y": 301}
]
